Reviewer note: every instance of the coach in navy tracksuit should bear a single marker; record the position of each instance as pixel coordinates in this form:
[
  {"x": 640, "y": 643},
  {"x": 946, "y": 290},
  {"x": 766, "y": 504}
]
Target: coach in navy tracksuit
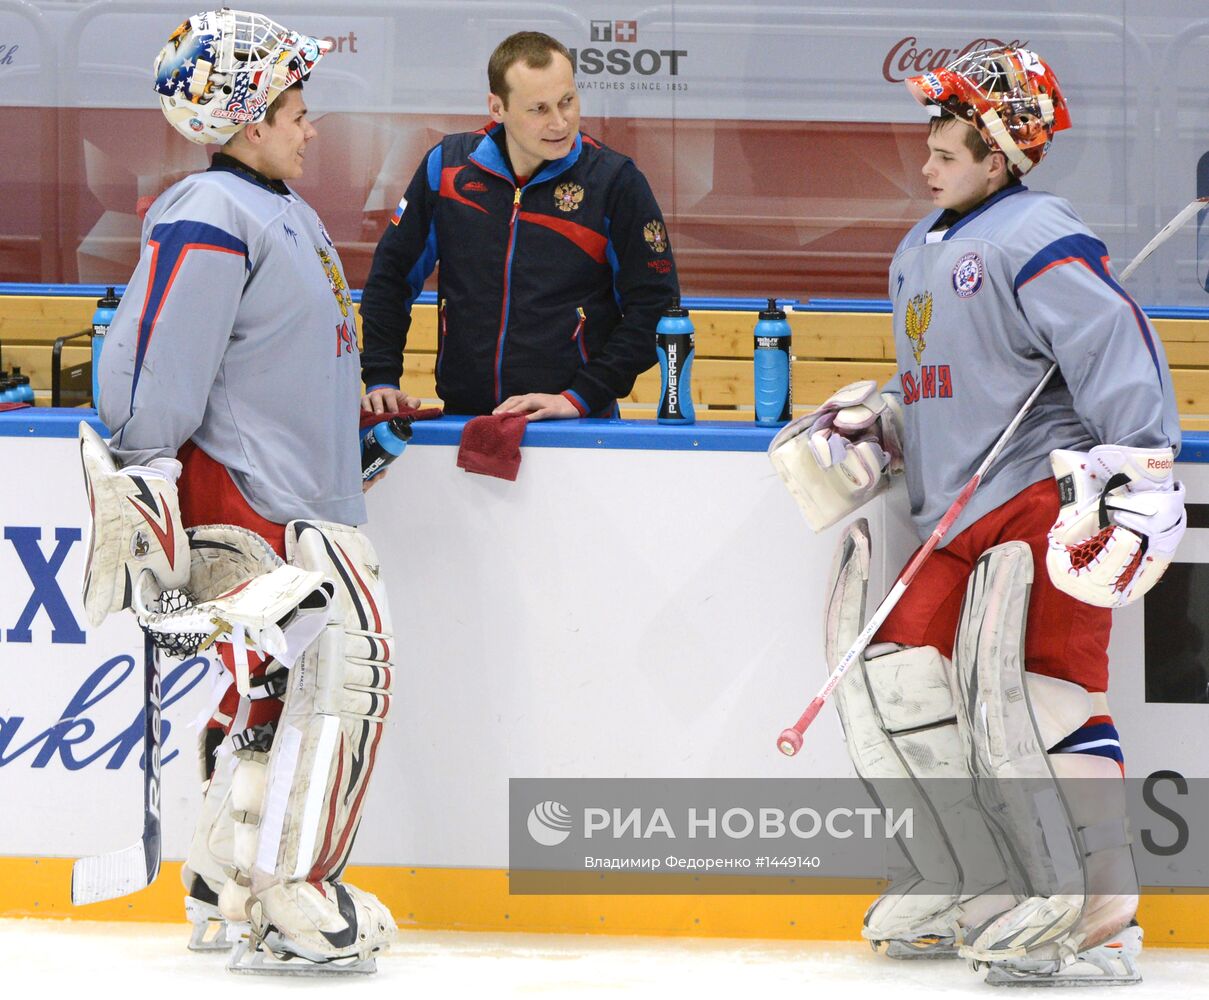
[{"x": 555, "y": 260}]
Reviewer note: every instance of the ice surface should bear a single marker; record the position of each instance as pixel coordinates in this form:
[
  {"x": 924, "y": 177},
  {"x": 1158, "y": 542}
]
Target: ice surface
[{"x": 86, "y": 958}]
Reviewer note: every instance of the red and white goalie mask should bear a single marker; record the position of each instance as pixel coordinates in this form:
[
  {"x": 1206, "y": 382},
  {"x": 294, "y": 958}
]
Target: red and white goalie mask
[{"x": 1009, "y": 95}]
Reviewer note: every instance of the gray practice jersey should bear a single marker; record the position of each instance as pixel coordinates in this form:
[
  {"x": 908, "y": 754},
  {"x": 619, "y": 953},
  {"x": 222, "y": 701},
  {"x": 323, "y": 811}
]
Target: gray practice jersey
[
  {"x": 237, "y": 331},
  {"x": 981, "y": 310}
]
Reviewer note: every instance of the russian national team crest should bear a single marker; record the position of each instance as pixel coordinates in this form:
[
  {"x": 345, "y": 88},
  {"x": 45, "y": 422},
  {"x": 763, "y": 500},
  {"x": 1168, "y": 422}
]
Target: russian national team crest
[
  {"x": 967, "y": 275},
  {"x": 568, "y": 196},
  {"x": 655, "y": 235},
  {"x": 919, "y": 317},
  {"x": 336, "y": 280}
]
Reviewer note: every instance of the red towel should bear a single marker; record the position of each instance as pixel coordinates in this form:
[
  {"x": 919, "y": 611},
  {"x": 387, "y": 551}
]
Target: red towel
[
  {"x": 491, "y": 446},
  {"x": 4, "y": 407},
  {"x": 368, "y": 419}
]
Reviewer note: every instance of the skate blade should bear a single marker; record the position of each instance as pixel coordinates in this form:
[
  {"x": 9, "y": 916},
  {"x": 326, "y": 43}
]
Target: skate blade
[
  {"x": 924, "y": 948},
  {"x": 1000, "y": 977},
  {"x": 259, "y": 962},
  {"x": 209, "y": 928}
]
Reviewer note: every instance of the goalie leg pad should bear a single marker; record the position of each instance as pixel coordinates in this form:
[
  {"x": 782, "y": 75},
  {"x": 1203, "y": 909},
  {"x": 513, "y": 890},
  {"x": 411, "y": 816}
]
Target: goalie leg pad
[
  {"x": 899, "y": 718},
  {"x": 1032, "y": 823},
  {"x": 323, "y": 756},
  {"x": 134, "y": 526}
]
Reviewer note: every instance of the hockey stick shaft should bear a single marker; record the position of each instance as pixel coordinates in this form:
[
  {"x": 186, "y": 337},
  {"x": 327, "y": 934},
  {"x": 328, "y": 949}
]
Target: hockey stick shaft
[
  {"x": 107, "y": 876},
  {"x": 1164, "y": 234},
  {"x": 790, "y": 740}
]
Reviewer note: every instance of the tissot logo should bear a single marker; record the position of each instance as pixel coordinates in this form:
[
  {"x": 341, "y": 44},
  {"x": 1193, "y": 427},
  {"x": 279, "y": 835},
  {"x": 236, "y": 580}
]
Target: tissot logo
[
  {"x": 615, "y": 31},
  {"x": 644, "y": 62},
  {"x": 909, "y": 57}
]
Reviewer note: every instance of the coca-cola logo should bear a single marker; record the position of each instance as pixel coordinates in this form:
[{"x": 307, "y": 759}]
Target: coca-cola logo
[{"x": 908, "y": 58}]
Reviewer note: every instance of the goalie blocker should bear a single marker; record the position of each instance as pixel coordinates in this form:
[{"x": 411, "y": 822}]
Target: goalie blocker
[{"x": 840, "y": 456}]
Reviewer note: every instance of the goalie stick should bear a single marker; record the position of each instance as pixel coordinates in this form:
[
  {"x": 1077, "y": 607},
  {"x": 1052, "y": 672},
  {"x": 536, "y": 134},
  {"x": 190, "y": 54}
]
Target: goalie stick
[
  {"x": 107, "y": 876},
  {"x": 1161, "y": 237},
  {"x": 790, "y": 740}
]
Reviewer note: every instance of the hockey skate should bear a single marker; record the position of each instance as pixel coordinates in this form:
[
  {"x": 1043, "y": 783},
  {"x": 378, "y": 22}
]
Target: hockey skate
[
  {"x": 316, "y": 949},
  {"x": 209, "y": 931},
  {"x": 1112, "y": 963}
]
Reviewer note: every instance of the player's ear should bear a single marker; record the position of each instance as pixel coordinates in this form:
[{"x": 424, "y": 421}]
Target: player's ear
[
  {"x": 998, "y": 166},
  {"x": 495, "y": 107}
]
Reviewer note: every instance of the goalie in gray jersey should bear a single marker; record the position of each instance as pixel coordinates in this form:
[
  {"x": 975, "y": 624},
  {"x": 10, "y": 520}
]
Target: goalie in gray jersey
[
  {"x": 231, "y": 380},
  {"x": 992, "y": 670}
]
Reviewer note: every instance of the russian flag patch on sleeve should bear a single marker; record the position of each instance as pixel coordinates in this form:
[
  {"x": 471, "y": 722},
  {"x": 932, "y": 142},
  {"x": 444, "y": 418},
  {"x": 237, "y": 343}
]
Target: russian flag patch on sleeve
[{"x": 399, "y": 210}]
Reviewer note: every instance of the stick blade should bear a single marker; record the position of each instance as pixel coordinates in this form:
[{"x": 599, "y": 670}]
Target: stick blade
[{"x": 107, "y": 876}]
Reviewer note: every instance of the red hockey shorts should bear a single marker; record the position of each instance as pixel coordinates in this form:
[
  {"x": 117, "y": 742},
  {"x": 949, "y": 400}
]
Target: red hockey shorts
[
  {"x": 208, "y": 495},
  {"x": 1065, "y": 638}
]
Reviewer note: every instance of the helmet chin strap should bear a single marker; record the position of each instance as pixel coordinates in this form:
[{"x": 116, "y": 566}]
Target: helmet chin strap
[{"x": 1004, "y": 142}]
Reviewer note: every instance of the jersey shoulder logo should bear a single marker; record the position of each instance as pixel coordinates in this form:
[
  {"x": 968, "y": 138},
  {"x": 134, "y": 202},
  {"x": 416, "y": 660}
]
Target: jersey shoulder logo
[
  {"x": 967, "y": 275},
  {"x": 919, "y": 316},
  {"x": 568, "y": 196},
  {"x": 655, "y": 236}
]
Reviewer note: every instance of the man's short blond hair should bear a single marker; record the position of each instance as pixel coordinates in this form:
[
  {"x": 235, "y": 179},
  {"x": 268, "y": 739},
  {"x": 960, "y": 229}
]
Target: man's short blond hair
[{"x": 534, "y": 48}]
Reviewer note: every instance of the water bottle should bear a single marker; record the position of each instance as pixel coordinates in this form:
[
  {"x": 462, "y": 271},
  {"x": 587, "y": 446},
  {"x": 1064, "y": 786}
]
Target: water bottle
[
  {"x": 8, "y": 389},
  {"x": 674, "y": 344},
  {"x": 773, "y": 380},
  {"x": 381, "y": 444},
  {"x": 106, "y": 306},
  {"x": 25, "y": 392}
]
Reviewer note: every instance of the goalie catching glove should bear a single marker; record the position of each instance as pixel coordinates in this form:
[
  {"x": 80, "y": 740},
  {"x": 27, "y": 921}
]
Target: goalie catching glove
[
  {"x": 839, "y": 456},
  {"x": 1122, "y": 516}
]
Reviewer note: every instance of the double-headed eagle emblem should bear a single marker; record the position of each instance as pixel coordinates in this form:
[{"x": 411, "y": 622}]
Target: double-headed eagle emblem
[
  {"x": 919, "y": 315},
  {"x": 568, "y": 196}
]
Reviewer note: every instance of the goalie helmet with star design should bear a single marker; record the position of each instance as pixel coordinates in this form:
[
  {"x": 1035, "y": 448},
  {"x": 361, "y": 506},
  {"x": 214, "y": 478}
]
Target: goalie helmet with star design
[
  {"x": 1008, "y": 94},
  {"x": 221, "y": 69}
]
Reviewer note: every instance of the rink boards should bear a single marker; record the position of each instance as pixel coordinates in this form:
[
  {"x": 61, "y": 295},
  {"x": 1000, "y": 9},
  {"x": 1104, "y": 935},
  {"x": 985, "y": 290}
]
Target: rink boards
[{"x": 641, "y": 602}]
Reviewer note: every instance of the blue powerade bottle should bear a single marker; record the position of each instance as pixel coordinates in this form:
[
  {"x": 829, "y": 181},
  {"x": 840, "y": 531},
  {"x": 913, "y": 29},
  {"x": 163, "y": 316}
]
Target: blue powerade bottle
[
  {"x": 381, "y": 444},
  {"x": 106, "y": 306},
  {"x": 773, "y": 379},
  {"x": 25, "y": 392},
  {"x": 674, "y": 344}
]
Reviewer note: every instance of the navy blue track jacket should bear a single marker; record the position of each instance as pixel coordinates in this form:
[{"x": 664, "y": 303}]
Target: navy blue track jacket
[{"x": 553, "y": 287}]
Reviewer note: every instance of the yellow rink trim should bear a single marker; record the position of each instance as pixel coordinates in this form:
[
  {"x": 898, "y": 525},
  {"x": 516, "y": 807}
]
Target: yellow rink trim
[{"x": 476, "y": 899}]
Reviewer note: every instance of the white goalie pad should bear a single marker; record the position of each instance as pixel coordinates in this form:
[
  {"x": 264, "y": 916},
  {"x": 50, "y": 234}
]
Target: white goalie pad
[
  {"x": 134, "y": 528},
  {"x": 899, "y": 718},
  {"x": 1121, "y": 518},
  {"x": 1032, "y": 826},
  {"x": 841, "y": 455},
  {"x": 337, "y": 698},
  {"x": 241, "y": 592}
]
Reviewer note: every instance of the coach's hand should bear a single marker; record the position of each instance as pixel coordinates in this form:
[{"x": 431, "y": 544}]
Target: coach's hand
[
  {"x": 387, "y": 401},
  {"x": 538, "y": 406}
]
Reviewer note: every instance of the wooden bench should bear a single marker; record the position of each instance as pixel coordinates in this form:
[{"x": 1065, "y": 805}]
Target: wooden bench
[{"x": 831, "y": 349}]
